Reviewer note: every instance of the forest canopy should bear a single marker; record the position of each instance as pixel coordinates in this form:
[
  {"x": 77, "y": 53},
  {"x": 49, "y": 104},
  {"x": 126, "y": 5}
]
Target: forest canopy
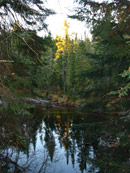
[{"x": 88, "y": 72}]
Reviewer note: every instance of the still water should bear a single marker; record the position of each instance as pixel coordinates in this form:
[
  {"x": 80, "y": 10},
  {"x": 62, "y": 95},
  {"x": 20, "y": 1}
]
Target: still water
[{"x": 60, "y": 140}]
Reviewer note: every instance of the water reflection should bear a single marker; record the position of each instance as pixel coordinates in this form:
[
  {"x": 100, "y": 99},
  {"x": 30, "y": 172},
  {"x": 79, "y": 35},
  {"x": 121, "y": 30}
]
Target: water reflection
[{"x": 58, "y": 140}]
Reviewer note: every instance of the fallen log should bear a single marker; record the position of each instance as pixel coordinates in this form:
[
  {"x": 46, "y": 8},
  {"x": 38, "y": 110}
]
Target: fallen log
[
  {"x": 6, "y": 61},
  {"x": 45, "y": 102}
]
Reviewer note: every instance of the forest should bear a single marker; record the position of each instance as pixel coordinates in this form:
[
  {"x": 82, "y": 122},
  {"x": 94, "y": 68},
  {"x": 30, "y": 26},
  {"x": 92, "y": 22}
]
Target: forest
[
  {"x": 93, "y": 73},
  {"x": 82, "y": 75}
]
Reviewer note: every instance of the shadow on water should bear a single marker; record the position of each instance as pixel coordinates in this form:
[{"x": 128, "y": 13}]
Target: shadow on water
[{"x": 60, "y": 140}]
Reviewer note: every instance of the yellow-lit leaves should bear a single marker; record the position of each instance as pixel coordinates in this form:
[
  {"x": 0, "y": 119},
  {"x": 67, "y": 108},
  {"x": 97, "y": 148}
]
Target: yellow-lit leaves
[{"x": 64, "y": 44}]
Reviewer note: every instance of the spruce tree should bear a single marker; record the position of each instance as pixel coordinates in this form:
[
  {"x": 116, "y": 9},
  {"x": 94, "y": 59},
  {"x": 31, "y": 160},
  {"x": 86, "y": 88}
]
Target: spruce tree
[{"x": 109, "y": 23}]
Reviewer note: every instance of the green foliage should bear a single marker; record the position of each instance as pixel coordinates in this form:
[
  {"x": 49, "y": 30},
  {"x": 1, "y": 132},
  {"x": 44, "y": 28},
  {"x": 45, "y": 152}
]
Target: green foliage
[
  {"x": 22, "y": 71},
  {"x": 21, "y": 48},
  {"x": 126, "y": 74},
  {"x": 81, "y": 68},
  {"x": 110, "y": 56},
  {"x": 17, "y": 107}
]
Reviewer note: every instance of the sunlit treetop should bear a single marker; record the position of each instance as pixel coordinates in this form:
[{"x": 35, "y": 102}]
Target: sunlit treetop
[
  {"x": 65, "y": 43},
  {"x": 66, "y": 25}
]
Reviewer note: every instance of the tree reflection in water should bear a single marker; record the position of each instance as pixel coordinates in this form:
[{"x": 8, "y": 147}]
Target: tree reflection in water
[{"x": 59, "y": 140}]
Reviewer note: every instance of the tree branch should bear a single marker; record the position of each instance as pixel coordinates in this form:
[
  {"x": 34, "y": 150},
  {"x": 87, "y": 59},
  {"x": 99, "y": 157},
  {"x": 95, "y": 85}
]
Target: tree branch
[{"x": 29, "y": 48}]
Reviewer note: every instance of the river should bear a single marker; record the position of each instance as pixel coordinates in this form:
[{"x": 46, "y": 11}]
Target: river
[{"x": 62, "y": 140}]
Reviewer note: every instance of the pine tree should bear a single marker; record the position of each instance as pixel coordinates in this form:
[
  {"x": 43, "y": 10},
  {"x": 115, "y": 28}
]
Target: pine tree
[
  {"x": 109, "y": 23},
  {"x": 29, "y": 14}
]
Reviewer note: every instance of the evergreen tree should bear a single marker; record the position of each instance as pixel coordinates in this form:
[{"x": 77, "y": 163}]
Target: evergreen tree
[
  {"x": 20, "y": 57},
  {"x": 29, "y": 14},
  {"x": 109, "y": 23}
]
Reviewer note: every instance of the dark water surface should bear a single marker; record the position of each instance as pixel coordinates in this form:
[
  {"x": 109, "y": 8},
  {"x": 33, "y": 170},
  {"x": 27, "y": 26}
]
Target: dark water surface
[{"x": 57, "y": 140}]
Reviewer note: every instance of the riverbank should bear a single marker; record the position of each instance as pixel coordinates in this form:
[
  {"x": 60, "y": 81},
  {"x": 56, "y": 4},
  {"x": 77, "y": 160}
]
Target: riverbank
[{"x": 59, "y": 98}]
